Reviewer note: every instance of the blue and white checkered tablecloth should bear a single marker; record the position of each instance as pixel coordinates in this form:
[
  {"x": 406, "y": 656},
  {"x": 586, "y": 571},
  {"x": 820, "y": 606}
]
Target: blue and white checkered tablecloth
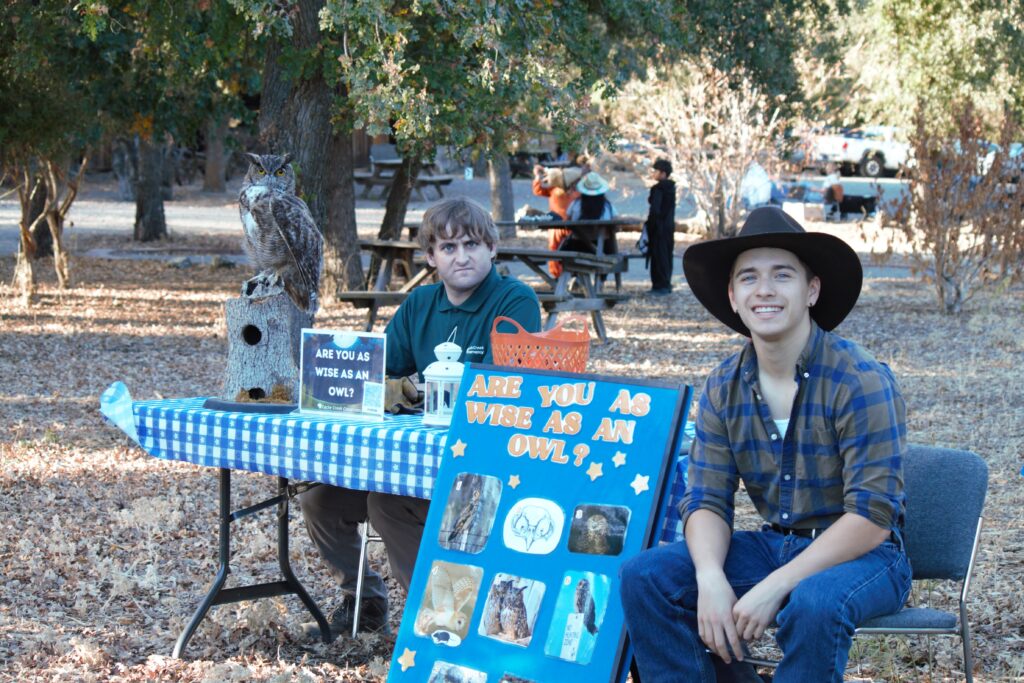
[{"x": 399, "y": 455}]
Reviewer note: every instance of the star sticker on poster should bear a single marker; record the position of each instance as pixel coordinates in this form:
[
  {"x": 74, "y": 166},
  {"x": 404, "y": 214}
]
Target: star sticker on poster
[
  {"x": 458, "y": 449},
  {"x": 513, "y": 481},
  {"x": 640, "y": 484},
  {"x": 619, "y": 458},
  {"x": 408, "y": 659},
  {"x": 595, "y": 470}
]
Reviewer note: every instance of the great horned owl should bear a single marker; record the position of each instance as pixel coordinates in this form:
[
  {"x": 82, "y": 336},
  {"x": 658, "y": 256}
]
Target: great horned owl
[
  {"x": 505, "y": 614},
  {"x": 585, "y": 605},
  {"x": 280, "y": 235},
  {"x": 595, "y": 535},
  {"x": 515, "y": 624}
]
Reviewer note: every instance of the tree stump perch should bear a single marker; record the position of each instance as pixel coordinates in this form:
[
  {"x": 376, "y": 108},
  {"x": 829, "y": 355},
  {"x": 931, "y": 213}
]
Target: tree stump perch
[{"x": 264, "y": 340}]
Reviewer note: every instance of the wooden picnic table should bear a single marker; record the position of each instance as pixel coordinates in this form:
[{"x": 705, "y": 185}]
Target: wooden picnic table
[
  {"x": 578, "y": 288},
  {"x": 383, "y": 175},
  {"x": 599, "y": 234},
  {"x": 396, "y": 256}
]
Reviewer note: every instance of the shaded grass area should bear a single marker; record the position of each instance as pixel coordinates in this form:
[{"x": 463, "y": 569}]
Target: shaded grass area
[{"x": 106, "y": 551}]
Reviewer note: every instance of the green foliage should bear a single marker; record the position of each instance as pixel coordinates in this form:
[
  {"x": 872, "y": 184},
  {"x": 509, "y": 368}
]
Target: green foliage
[
  {"x": 46, "y": 66},
  {"x": 942, "y": 51},
  {"x": 168, "y": 65}
]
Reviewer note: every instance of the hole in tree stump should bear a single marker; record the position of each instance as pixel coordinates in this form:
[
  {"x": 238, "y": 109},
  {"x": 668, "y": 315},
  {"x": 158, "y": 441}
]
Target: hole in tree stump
[
  {"x": 252, "y": 335},
  {"x": 256, "y": 393}
]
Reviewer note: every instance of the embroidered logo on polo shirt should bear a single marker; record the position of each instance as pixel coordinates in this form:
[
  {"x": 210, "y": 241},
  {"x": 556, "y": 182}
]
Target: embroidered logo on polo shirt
[{"x": 475, "y": 351}]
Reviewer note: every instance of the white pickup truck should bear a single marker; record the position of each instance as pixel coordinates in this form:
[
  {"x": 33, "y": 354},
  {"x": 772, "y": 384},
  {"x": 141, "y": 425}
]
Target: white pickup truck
[{"x": 868, "y": 151}]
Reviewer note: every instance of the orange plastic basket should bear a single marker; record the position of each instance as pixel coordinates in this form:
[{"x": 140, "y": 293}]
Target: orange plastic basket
[{"x": 554, "y": 349}]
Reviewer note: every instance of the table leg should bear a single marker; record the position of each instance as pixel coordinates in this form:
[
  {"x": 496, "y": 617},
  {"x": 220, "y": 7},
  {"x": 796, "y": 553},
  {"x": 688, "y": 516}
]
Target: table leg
[
  {"x": 218, "y": 595},
  {"x": 595, "y": 315}
]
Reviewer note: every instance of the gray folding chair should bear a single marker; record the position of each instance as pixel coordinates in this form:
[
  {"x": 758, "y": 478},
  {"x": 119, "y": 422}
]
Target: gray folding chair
[{"x": 945, "y": 497}]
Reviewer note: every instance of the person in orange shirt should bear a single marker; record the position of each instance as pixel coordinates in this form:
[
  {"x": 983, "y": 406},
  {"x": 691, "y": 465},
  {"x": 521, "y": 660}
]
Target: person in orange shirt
[{"x": 559, "y": 186}]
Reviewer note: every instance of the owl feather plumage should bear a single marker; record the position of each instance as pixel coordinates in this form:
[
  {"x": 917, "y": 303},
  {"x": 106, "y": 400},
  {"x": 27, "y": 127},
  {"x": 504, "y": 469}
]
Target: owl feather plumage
[
  {"x": 585, "y": 605},
  {"x": 280, "y": 235},
  {"x": 464, "y": 521}
]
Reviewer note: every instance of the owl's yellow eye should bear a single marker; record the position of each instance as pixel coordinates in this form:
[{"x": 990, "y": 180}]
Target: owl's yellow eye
[
  {"x": 261, "y": 171},
  {"x": 279, "y": 171}
]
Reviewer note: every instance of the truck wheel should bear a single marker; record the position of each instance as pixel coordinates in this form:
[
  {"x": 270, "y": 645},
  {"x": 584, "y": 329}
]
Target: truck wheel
[{"x": 872, "y": 166}]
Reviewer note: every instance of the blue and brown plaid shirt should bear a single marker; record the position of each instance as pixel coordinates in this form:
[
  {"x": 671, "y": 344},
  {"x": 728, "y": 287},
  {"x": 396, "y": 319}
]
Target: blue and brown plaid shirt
[{"x": 842, "y": 452}]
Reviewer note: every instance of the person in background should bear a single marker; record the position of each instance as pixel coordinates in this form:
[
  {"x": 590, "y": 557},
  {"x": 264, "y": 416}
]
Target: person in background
[
  {"x": 460, "y": 240},
  {"x": 832, "y": 189},
  {"x": 559, "y": 186},
  {"x": 661, "y": 227}
]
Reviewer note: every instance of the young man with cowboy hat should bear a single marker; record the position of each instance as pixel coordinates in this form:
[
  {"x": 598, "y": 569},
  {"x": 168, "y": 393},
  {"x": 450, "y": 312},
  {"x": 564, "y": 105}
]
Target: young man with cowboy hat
[{"x": 815, "y": 428}]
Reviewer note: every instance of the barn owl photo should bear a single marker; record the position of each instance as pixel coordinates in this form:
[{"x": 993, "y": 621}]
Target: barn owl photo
[{"x": 279, "y": 233}]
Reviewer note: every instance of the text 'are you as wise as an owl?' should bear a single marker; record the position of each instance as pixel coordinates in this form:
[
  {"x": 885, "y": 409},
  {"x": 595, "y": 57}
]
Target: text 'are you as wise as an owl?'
[{"x": 560, "y": 420}]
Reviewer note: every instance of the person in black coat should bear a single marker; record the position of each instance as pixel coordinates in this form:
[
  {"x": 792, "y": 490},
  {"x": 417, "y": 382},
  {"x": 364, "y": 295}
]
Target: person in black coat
[{"x": 661, "y": 225}]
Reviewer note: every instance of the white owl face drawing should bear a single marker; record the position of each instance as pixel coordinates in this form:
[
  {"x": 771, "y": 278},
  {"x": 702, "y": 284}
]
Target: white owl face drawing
[{"x": 534, "y": 526}]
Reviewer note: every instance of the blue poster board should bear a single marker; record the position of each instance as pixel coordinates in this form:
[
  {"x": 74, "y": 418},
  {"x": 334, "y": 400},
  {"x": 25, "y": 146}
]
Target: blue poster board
[{"x": 548, "y": 483}]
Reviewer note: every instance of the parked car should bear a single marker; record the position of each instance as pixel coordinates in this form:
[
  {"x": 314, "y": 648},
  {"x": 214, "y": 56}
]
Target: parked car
[{"x": 869, "y": 151}]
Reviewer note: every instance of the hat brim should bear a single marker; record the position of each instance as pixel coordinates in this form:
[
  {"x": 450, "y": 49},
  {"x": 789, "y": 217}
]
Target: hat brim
[
  {"x": 593, "y": 192},
  {"x": 708, "y": 265}
]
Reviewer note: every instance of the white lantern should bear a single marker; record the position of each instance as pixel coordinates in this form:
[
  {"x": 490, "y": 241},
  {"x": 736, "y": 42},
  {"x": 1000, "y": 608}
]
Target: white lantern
[{"x": 442, "y": 379}]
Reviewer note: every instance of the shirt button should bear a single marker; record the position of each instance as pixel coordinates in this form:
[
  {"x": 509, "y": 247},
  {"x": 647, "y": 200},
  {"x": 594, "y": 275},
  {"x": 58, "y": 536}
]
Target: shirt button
[
  {"x": 774, "y": 437},
  {"x": 785, "y": 515},
  {"x": 787, "y": 477}
]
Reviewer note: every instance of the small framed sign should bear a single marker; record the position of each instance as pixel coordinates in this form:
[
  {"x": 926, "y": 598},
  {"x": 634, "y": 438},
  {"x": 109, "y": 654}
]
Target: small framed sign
[{"x": 342, "y": 373}]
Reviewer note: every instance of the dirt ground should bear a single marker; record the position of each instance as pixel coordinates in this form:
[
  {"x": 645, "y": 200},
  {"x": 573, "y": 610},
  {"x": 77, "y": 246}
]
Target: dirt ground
[{"x": 105, "y": 551}]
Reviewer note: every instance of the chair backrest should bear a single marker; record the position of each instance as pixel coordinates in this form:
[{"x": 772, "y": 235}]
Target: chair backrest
[{"x": 945, "y": 496}]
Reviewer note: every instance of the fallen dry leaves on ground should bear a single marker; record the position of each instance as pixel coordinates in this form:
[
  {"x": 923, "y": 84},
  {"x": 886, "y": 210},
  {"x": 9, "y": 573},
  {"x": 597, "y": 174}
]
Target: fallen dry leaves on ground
[{"x": 105, "y": 551}]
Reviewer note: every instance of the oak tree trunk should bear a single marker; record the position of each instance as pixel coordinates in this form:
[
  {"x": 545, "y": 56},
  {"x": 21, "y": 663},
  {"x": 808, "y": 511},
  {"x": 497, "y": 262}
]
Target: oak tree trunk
[
  {"x": 214, "y": 175},
  {"x": 502, "y": 201},
  {"x": 295, "y": 117},
  {"x": 41, "y": 231},
  {"x": 150, "y": 223}
]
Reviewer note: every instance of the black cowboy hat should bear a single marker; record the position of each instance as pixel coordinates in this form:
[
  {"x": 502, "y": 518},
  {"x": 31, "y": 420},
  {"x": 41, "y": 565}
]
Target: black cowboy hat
[{"x": 708, "y": 265}]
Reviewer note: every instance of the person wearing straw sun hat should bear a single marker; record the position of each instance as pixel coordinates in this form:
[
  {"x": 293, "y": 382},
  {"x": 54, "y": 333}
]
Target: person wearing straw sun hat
[
  {"x": 592, "y": 204},
  {"x": 815, "y": 428}
]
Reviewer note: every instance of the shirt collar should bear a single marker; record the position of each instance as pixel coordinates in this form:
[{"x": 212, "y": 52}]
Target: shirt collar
[
  {"x": 476, "y": 299},
  {"x": 748, "y": 358}
]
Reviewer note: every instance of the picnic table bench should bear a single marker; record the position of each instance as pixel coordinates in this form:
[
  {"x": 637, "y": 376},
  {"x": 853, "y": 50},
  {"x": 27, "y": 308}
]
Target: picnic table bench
[{"x": 577, "y": 289}]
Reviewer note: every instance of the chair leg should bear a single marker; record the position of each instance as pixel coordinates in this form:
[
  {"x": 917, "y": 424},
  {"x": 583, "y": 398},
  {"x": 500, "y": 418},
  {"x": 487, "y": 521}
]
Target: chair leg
[
  {"x": 359, "y": 579},
  {"x": 965, "y": 635}
]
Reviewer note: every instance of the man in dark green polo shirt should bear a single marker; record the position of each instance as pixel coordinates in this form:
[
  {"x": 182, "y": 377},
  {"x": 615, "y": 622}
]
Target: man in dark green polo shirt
[{"x": 460, "y": 241}]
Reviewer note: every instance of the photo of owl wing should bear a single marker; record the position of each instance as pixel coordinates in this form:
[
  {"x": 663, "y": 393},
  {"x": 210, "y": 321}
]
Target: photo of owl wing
[
  {"x": 590, "y": 615},
  {"x": 463, "y": 521},
  {"x": 442, "y": 595}
]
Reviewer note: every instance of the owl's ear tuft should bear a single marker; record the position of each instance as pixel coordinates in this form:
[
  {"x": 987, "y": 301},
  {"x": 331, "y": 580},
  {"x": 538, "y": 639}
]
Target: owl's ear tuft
[
  {"x": 254, "y": 158},
  {"x": 286, "y": 158}
]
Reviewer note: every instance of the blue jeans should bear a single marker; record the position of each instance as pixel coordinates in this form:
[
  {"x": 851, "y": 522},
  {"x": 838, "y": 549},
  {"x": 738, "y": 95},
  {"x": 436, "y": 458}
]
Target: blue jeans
[{"x": 815, "y": 624}]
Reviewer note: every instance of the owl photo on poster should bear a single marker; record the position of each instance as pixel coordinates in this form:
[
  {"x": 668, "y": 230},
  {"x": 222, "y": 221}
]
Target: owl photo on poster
[
  {"x": 598, "y": 529},
  {"x": 469, "y": 513}
]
